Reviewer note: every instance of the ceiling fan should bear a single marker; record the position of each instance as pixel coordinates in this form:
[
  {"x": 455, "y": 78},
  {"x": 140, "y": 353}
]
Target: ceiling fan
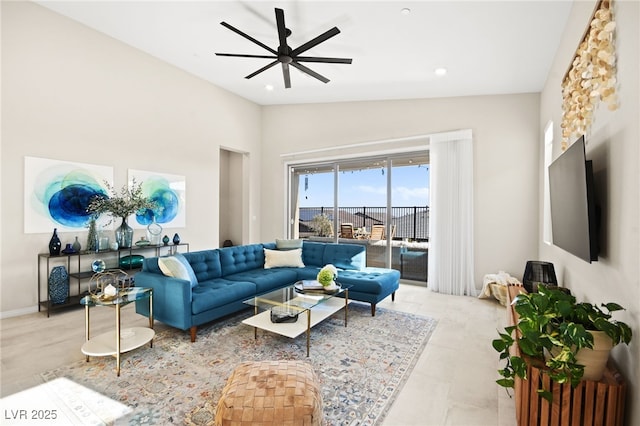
[{"x": 285, "y": 54}]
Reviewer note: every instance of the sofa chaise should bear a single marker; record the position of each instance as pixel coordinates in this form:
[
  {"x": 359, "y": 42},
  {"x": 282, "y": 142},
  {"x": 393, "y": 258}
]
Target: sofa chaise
[{"x": 192, "y": 289}]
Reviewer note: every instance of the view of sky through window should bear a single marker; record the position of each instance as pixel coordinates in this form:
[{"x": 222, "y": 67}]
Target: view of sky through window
[{"x": 410, "y": 187}]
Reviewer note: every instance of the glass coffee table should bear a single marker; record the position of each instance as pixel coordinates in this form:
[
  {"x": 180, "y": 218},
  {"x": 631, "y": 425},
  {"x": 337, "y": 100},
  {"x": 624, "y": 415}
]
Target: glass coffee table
[{"x": 291, "y": 311}]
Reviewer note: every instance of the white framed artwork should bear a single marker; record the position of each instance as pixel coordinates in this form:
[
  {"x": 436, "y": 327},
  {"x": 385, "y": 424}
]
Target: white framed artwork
[{"x": 57, "y": 193}]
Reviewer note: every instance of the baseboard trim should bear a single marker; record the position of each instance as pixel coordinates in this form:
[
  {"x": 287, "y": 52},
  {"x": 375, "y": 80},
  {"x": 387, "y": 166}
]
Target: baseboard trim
[{"x": 18, "y": 312}]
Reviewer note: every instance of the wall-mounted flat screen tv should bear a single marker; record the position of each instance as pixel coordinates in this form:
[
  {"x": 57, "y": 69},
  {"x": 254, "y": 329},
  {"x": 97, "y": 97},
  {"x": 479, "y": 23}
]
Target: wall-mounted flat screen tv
[{"x": 574, "y": 216}]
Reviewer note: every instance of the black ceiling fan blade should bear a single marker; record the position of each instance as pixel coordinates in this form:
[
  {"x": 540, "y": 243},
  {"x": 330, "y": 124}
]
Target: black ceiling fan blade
[
  {"x": 325, "y": 60},
  {"x": 282, "y": 30},
  {"x": 315, "y": 41},
  {"x": 286, "y": 75},
  {"x": 248, "y": 37},
  {"x": 311, "y": 72},
  {"x": 240, "y": 55},
  {"x": 266, "y": 67}
]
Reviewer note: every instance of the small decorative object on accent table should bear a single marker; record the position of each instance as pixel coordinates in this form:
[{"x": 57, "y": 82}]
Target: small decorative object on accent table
[
  {"x": 98, "y": 266},
  {"x": 54, "y": 244},
  {"x": 58, "y": 285},
  {"x": 327, "y": 276},
  {"x": 142, "y": 242},
  {"x": 110, "y": 291},
  {"x": 131, "y": 262},
  {"x": 176, "y": 238},
  {"x": 68, "y": 249},
  {"x": 76, "y": 245},
  {"x": 165, "y": 240},
  {"x": 103, "y": 283},
  {"x": 154, "y": 232}
]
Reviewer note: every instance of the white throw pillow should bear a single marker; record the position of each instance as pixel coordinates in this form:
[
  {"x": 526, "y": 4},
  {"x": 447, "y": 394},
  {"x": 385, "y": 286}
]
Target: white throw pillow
[
  {"x": 283, "y": 258},
  {"x": 177, "y": 266}
]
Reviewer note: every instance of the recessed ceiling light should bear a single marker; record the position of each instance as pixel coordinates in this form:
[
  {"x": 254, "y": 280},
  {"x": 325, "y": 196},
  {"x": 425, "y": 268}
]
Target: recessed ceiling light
[
  {"x": 440, "y": 71},
  {"x": 405, "y": 11},
  {"x": 268, "y": 87}
]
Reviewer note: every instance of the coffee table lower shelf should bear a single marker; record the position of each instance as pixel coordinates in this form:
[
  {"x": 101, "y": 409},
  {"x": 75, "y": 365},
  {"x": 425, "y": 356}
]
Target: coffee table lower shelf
[{"x": 292, "y": 330}]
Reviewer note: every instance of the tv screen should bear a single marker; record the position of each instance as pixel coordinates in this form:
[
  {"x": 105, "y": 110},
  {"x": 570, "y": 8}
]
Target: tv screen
[{"x": 574, "y": 221}]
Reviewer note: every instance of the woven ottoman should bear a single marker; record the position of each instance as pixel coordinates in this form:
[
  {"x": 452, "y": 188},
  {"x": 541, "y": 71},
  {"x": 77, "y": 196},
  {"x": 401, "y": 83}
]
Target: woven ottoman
[{"x": 271, "y": 393}]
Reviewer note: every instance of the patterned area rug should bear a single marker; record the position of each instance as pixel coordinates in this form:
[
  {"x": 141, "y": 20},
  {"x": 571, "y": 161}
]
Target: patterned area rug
[{"x": 361, "y": 367}]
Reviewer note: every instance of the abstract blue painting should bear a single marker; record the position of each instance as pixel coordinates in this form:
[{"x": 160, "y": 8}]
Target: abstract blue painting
[
  {"x": 57, "y": 193},
  {"x": 169, "y": 193}
]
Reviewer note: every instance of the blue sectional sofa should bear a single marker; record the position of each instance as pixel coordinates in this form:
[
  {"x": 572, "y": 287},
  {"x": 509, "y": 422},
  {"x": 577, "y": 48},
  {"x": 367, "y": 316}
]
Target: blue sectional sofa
[{"x": 219, "y": 280}]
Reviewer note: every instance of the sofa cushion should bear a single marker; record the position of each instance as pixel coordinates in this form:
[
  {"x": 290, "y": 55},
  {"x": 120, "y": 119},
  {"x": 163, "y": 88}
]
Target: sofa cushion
[
  {"x": 267, "y": 279},
  {"x": 177, "y": 266},
  {"x": 312, "y": 253},
  {"x": 288, "y": 244},
  {"x": 283, "y": 258},
  {"x": 220, "y": 292},
  {"x": 241, "y": 258},
  {"x": 205, "y": 264},
  {"x": 344, "y": 256},
  {"x": 371, "y": 280}
]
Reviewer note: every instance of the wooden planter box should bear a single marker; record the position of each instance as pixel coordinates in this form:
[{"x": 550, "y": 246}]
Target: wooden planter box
[{"x": 589, "y": 403}]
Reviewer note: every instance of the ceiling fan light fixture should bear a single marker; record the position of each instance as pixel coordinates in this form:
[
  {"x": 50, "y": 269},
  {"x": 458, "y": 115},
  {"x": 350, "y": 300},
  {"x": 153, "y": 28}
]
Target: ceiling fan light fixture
[{"x": 285, "y": 55}]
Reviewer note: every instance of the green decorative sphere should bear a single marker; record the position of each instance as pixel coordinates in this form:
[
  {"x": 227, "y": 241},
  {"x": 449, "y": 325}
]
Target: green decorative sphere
[{"x": 325, "y": 277}]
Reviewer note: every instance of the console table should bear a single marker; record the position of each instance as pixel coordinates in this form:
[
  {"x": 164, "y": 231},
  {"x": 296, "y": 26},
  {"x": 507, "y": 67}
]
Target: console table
[{"x": 82, "y": 269}]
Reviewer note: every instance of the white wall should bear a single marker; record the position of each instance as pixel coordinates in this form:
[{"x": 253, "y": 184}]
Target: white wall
[
  {"x": 613, "y": 147},
  {"x": 506, "y": 138},
  {"x": 71, "y": 93}
]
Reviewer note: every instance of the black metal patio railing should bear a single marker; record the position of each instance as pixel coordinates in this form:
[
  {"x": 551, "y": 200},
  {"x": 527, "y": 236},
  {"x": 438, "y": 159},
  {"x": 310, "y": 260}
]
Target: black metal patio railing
[{"x": 410, "y": 223}]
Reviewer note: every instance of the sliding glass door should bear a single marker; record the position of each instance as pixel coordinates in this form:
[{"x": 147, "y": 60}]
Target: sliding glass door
[{"x": 380, "y": 202}]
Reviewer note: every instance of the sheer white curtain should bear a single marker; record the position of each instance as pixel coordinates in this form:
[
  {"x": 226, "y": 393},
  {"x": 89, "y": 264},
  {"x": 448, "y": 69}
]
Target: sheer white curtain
[{"x": 451, "y": 214}]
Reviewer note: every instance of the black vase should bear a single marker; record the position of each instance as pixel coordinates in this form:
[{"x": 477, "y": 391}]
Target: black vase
[
  {"x": 54, "y": 244},
  {"x": 176, "y": 239}
]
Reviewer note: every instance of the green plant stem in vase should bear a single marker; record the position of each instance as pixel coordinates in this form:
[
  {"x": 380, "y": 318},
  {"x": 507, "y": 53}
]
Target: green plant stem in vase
[{"x": 122, "y": 205}]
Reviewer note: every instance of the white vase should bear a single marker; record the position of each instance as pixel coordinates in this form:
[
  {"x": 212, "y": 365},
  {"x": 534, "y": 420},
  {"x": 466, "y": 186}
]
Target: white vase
[{"x": 595, "y": 359}]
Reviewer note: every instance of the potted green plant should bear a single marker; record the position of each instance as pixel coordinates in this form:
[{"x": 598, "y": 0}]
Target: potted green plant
[
  {"x": 556, "y": 332},
  {"x": 130, "y": 200}
]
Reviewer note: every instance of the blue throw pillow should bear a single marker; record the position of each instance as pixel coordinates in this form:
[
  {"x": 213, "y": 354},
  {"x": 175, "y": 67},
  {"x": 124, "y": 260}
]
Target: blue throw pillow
[{"x": 177, "y": 266}]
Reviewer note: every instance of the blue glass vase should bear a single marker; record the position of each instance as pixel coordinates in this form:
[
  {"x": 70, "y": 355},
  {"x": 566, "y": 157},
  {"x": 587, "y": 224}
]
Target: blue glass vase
[{"x": 124, "y": 234}]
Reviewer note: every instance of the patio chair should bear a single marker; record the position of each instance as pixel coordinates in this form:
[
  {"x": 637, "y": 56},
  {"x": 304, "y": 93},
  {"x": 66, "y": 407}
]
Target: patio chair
[
  {"x": 346, "y": 230},
  {"x": 377, "y": 232}
]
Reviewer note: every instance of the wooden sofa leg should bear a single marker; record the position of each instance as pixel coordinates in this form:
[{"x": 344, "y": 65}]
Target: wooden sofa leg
[
  {"x": 373, "y": 309},
  {"x": 192, "y": 331},
  {"x": 393, "y": 296}
]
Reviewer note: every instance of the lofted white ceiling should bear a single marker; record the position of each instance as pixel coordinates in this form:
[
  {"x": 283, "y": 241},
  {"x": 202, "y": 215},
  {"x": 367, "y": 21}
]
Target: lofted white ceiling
[{"x": 487, "y": 47}]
